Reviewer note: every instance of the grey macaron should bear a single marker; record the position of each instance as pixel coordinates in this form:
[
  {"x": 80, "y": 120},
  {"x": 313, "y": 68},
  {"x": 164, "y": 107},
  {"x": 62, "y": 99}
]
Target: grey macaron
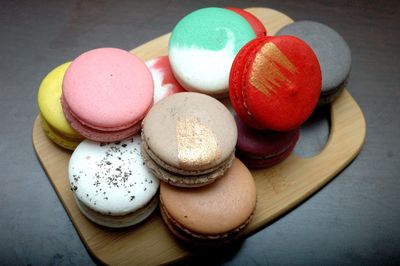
[{"x": 332, "y": 51}]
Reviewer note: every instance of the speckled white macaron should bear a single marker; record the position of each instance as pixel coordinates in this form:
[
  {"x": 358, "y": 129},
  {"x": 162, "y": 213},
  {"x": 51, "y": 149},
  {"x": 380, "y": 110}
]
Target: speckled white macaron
[{"x": 111, "y": 184}]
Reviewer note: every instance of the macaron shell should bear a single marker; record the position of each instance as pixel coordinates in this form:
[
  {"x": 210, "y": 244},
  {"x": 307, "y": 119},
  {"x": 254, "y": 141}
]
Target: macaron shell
[
  {"x": 263, "y": 143},
  {"x": 282, "y": 83},
  {"x": 49, "y": 102},
  {"x": 331, "y": 49},
  {"x": 264, "y": 162},
  {"x": 108, "y": 89},
  {"x": 203, "y": 46},
  {"x": 111, "y": 178},
  {"x": 190, "y": 131},
  {"x": 214, "y": 209},
  {"x": 164, "y": 81},
  {"x": 236, "y": 81},
  {"x": 254, "y": 22}
]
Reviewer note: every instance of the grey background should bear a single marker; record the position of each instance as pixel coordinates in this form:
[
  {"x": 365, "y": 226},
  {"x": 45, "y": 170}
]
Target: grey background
[{"x": 353, "y": 220}]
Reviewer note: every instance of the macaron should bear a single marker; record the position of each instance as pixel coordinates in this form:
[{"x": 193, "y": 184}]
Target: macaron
[
  {"x": 164, "y": 81},
  {"x": 264, "y": 148},
  {"x": 106, "y": 94},
  {"x": 188, "y": 139},
  {"x": 203, "y": 46},
  {"x": 52, "y": 117},
  {"x": 254, "y": 22},
  {"x": 111, "y": 184},
  {"x": 332, "y": 51},
  {"x": 214, "y": 214},
  {"x": 275, "y": 83}
]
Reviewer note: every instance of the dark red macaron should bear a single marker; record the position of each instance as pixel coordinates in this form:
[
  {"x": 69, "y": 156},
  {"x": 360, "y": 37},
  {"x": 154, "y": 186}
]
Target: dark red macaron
[
  {"x": 275, "y": 83},
  {"x": 264, "y": 148},
  {"x": 254, "y": 22}
]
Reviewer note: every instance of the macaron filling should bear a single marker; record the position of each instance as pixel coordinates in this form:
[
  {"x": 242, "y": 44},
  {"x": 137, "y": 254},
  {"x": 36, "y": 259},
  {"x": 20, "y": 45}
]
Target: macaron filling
[
  {"x": 175, "y": 170},
  {"x": 58, "y": 138},
  {"x": 98, "y": 134},
  {"x": 117, "y": 221},
  {"x": 180, "y": 177}
]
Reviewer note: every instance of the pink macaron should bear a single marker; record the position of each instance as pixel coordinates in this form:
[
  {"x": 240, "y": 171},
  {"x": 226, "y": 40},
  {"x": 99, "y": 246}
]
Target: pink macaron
[
  {"x": 164, "y": 81},
  {"x": 106, "y": 93}
]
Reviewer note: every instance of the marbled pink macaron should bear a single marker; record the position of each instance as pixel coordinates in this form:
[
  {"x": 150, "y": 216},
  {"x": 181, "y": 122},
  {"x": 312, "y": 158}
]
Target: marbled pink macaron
[
  {"x": 106, "y": 94},
  {"x": 164, "y": 81}
]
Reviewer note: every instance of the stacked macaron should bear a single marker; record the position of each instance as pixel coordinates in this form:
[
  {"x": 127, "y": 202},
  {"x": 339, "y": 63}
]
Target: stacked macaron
[
  {"x": 274, "y": 87},
  {"x": 106, "y": 94},
  {"x": 207, "y": 196},
  {"x": 189, "y": 138},
  {"x": 276, "y": 83}
]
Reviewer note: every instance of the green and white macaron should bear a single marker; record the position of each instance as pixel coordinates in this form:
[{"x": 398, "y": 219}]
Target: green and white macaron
[{"x": 203, "y": 46}]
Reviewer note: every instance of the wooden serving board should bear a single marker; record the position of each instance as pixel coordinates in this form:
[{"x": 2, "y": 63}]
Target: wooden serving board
[{"x": 279, "y": 188}]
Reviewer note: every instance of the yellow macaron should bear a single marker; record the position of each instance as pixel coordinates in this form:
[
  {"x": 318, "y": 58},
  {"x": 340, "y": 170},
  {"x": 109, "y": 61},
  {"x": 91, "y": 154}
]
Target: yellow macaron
[{"x": 54, "y": 123}]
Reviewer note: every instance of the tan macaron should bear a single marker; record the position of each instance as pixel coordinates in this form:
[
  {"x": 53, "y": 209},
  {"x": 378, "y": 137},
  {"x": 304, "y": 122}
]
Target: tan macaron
[
  {"x": 189, "y": 139},
  {"x": 212, "y": 214}
]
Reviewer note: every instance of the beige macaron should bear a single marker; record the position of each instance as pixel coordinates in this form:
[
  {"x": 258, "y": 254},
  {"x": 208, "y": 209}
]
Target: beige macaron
[
  {"x": 212, "y": 214},
  {"x": 188, "y": 139}
]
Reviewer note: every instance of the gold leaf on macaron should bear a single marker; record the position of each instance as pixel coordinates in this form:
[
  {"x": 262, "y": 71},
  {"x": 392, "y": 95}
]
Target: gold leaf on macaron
[
  {"x": 268, "y": 69},
  {"x": 197, "y": 144}
]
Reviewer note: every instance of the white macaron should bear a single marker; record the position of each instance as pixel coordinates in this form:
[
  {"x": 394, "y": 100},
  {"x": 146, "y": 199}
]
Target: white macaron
[{"x": 111, "y": 184}]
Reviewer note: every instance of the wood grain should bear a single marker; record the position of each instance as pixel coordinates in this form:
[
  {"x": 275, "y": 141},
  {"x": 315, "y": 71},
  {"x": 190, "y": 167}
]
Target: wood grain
[{"x": 279, "y": 188}]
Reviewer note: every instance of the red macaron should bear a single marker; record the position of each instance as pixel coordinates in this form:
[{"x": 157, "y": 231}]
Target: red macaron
[
  {"x": 254, "y": 22},
  {"x": 275, "y": 83}
]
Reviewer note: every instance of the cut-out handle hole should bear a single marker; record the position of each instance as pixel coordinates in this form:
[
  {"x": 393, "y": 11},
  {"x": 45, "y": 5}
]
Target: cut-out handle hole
[{"x": 314, "y": 133}]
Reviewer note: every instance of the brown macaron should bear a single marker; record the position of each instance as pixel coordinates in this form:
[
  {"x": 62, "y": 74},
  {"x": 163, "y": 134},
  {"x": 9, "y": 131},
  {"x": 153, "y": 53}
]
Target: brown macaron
[
  {"x": 214, "y": 214},
  {"x": 188, "y": 139}
]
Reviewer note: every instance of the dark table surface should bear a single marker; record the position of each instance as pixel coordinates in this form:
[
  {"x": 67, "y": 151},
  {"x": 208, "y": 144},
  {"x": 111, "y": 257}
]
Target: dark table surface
[{"x": 355, "y": 219}]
